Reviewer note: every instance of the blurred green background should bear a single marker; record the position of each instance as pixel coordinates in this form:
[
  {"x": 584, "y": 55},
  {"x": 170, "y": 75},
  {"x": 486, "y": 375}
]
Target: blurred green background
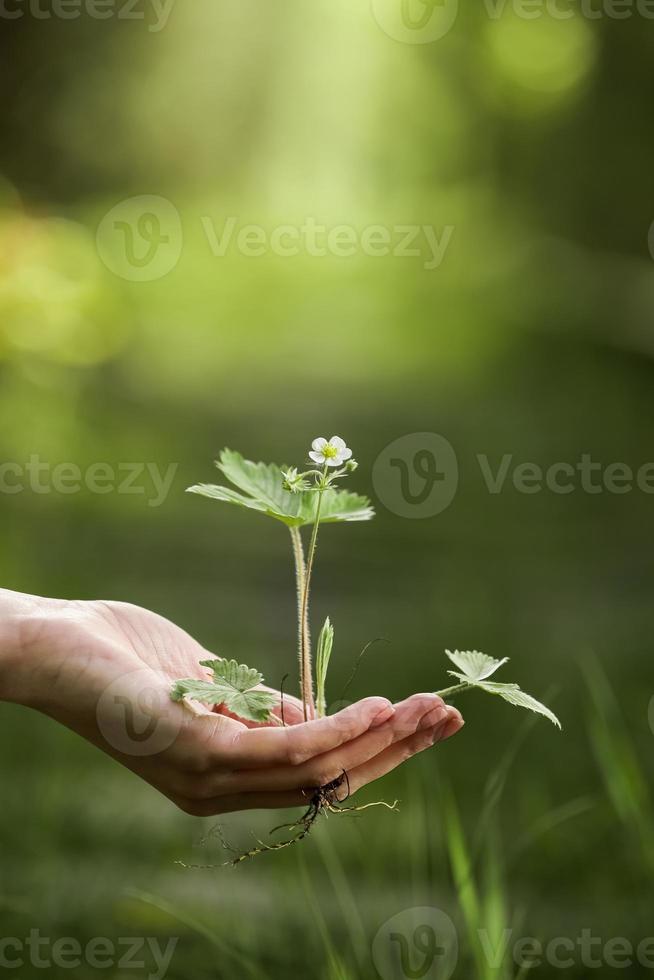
[{"x": 529, "y": 139}]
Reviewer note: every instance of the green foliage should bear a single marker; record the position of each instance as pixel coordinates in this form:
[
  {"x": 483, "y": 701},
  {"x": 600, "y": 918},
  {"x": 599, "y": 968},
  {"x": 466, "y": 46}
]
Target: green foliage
[
  {"x": 233, "y": 685},
  {"x": 474, "y": 665},
  {"x": 625, "y": 779},
  {"x": 261, "y": 486},
  {"x": 325, "y": 644},
  {"x": 474, "y": 670}
]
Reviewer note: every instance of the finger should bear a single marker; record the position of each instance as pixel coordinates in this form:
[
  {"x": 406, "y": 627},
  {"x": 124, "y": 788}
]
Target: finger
[
  {"x": 257, "y": 748},
  {"x": 382, "y": 764},
  {"x": 289, "y": 709},
  {"x": 293, "y": 709},
  {"x": 396, "y": 754},
  {"x": 419, "y": 711},
  {"x": 290, "y": 712}
]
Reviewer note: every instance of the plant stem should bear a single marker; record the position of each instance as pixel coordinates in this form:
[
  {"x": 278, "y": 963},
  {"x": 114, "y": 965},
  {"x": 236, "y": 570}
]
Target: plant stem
[
  {"x": 303, "y": 636},
  {"x": 455, "y": 689},
  {"x": 306, "y": 673}
]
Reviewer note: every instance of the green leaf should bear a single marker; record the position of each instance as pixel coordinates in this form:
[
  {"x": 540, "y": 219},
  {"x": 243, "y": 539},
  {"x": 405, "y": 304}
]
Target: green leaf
[
  {"x": 261, "y": 489},
  {"x": 324, "y": 652},
  {"x": 475, "y": 666},
  {"x": 233, "y": 685},
  {"x": 514, "y": 695}
]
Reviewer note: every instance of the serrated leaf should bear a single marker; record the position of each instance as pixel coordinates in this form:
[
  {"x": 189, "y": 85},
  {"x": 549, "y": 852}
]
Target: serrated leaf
[
  {"x": 475, "y": 666},
  {"x": 261, "y": 486},
  {"x": 511, "y": 693},
  {"x": 233, "y": 685},
  {"x": 227, "y": 495},
  {"x": 233, "y": 674},
  {"x": 514, "y": 695}
]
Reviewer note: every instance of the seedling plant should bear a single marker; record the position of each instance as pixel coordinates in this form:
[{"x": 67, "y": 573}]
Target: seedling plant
[{"x": 308, "y": 499}]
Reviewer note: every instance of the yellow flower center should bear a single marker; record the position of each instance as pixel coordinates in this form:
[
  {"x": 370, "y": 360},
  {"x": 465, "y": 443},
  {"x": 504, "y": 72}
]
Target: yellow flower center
[{"x": 330, "y": 452}]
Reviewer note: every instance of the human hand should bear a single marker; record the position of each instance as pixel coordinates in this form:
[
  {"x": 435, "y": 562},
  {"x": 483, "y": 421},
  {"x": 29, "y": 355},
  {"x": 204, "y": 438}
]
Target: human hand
[{"x": 105, "y": 669}]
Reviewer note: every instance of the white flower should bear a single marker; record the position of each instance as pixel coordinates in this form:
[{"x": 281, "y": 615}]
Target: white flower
[{"x": 332, "y": 453}]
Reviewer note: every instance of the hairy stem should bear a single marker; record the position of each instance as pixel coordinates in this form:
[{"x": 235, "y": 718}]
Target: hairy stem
[
  {"x": 303, "y": 636},
  {"x": 307, "y": 673},
  {"x": 455, "y": 689}
]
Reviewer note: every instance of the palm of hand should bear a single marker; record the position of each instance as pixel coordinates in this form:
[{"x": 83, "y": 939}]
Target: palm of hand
[{"x": 110, "y": 668}]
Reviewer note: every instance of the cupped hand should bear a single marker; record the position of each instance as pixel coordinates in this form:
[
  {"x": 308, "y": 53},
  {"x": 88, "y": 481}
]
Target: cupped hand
[{"x": 105, "y": 669}]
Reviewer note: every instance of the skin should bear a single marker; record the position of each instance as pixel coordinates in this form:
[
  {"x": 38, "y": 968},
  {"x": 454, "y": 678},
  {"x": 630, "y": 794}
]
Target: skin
[{"x": 105, "y": 670}]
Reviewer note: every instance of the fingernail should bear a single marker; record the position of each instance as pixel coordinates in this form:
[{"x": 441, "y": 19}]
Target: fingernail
[
  {"x": 453, "y": 726},
  {"x": 432, "y": 718},
  {"x": 383, "y": 715}
]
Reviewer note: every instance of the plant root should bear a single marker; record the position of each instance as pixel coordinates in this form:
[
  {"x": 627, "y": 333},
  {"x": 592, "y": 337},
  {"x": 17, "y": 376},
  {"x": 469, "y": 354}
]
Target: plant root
[{"x": 323, "y": 801}]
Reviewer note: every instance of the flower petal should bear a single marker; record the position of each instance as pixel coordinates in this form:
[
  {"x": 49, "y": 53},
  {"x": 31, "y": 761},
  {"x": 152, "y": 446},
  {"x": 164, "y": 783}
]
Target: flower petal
[
  {"x": 332, "y": 461},
  {"x": 337, "y": 442},
  {"x": 317, "y": 457},
  {"x": 319, "y": 443},
  {"x": 345, "y": 454}
]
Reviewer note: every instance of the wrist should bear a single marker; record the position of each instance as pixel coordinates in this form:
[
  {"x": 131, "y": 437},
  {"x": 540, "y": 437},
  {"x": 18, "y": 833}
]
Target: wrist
[
  {"x": 23, "y": 620},
  {"x": 14, "y": 672}
]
